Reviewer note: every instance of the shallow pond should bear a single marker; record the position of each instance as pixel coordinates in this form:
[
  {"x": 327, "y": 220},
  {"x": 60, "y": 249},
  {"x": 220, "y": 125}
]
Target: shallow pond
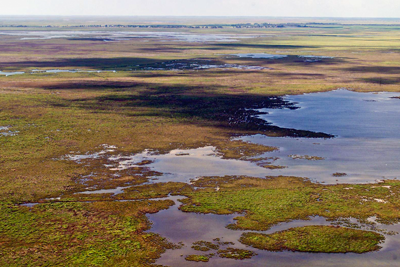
[
  {"x": 108, "y": 36},
  {"x": 260, "y": 55},
  {"x": 197, "y": 66},
  {"x": 5, "y": 73},
  {"x": 70, "y": 71},
  {"x": 304, "y": 58},
  {"x": 366, "y": 146},
  {"x": 53, "y": 71},
  {"x": 5, "y": 131},
  {"x": 182, "y": 165}
]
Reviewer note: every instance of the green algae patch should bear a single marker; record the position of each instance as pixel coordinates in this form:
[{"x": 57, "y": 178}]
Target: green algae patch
[
  {"x": 267, "y": 202},
  {"x": 80, "y": 234},
  {"x": 198, "y": 258},
  {"x": 235, "y": 253},
  {"x": 325, "y": 239}
]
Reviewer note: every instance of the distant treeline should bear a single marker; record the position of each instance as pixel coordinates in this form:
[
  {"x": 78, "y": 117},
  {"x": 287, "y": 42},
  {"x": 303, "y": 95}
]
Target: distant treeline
[
  {"x": 175, "y": 26},
  {"x": 209, "y": 26}
]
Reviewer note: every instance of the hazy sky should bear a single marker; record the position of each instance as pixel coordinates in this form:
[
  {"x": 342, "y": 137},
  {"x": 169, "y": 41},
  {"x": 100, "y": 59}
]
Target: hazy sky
[{"x": 290, "y": 8}]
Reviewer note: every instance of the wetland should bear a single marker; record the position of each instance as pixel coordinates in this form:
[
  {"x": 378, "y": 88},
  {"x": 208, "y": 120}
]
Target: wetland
[{"x": 200, "y": 147}]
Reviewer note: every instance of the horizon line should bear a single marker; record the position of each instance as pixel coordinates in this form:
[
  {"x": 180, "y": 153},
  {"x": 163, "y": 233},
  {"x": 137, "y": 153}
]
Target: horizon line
[{"x": 197, "y": 16}]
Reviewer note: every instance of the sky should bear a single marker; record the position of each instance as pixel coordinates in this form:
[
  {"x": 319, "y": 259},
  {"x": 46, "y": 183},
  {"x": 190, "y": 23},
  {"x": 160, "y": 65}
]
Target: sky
[{"x": 276, "y": 8}]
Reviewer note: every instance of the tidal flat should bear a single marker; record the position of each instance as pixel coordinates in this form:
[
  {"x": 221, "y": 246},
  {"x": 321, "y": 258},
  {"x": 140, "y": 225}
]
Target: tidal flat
[{"x": 163, "y": 148}]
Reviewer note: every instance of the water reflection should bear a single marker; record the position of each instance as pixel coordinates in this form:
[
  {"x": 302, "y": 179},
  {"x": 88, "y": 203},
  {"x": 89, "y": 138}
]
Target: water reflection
[{"x": 182, "y": 165}]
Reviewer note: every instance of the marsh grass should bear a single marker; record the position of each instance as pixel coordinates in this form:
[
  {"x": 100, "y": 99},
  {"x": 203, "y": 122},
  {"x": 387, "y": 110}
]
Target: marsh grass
[
  {"x": 267, "y": 202},
  {"x": 77, "y": 234},
  {"x": 322, "y": 239},
  {"x": 198, "y": 258},
  {"x": 204, "y": 246},
  {"x": 235, "y": 253}
]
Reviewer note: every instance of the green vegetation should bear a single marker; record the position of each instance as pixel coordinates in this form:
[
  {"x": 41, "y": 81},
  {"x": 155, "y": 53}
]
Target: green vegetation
[
  {"x": 235, "y": 253},
  {"x": 198, "y": 258},
  {"x": 77, "y": 234},
  {"x": 229, "y": 253},
  {"x": 339, "y": 174},
  {"x": 327, "y": 239},
  {"x": 272, "y": 167},
  {"x": 204, "y": 246},
  {"x": 242, "y": 150},
  {"x": 266, "y": 202}
]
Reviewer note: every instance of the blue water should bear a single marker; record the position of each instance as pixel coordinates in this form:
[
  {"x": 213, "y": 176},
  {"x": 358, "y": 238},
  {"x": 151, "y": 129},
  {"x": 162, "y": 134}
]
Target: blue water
[
  {"x": 367, "y": 136},
  {"x": 343, "y": 113}
]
